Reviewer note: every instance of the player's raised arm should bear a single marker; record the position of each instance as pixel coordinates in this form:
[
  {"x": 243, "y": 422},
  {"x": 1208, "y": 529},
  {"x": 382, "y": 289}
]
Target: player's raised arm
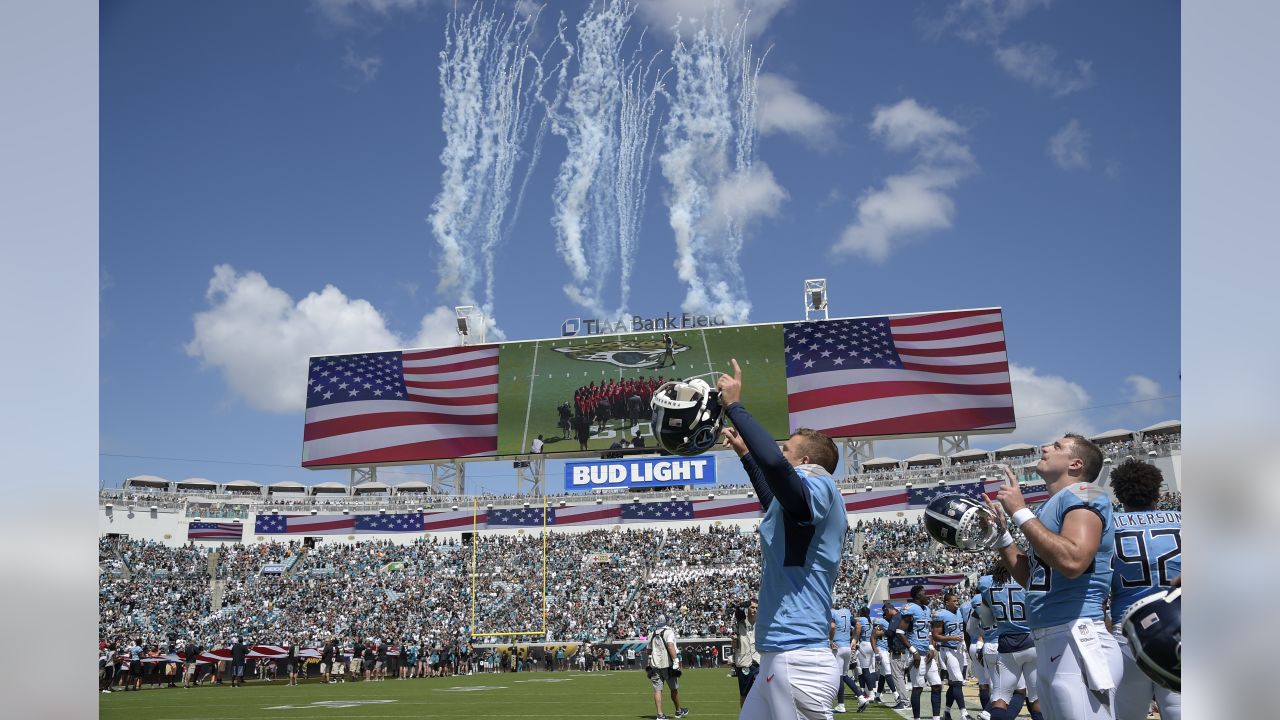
[{"x": 780, "y": 476}]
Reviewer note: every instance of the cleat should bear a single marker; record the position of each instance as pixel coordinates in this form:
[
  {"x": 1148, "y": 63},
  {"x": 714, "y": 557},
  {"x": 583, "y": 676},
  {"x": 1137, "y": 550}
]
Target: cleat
[
  {"x": 862, "y": 704},
  {"x": 839, "y": 708},
  {"x": 682, "y": 712}
]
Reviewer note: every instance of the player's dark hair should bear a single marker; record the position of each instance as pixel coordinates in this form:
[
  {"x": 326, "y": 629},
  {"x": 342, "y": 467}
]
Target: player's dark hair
[
  {"x": 1083, "y": 449},
  {"x": 917, "y": 591},
  {"x": 999, "y": 572},
  {"x": 1137, "y": 484},
  {"x": 864, "y": 612},
  {"x": 820, "y": 449},
  {"x": 950, "y": 594}
]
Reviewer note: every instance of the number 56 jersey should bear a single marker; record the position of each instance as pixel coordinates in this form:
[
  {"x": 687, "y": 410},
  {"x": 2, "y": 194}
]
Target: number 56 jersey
[{"x": 1148, "y": 556}]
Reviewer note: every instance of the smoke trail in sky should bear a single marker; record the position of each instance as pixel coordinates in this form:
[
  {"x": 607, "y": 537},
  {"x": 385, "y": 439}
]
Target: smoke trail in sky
[
  {"x": 490, "y": 83},
  {"x": 599, "y": 193},
  {"x": 709, "y": 158}
]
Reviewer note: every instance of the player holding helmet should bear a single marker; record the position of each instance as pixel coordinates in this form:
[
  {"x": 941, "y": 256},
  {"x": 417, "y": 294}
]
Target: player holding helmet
[
  {"x": 1066, "y": 572},
  {"x": 801, "y": 537}
]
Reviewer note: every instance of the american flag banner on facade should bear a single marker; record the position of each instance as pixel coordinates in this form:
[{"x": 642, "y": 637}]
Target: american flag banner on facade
[
  {"x": 900, "y": 587},
  {"x": 401, "y": 406},
  {"x": 657, "y": 511},
  {"x": 451, "y": 520},
  {"x": 304, "y": 525},
  {"x": 603, "y": 514},
  {"x": 737, "y": 508},
  {"x": 1033, "y": 493},
  {"x": 919, "y": 374},
  {"x": 875, "y": 501},
  {"x": 921, "y": 496},
  {"x": 389, "y": 523},
  {"x": 215, "y": 531},
  {"x": 520, "y": 517}
]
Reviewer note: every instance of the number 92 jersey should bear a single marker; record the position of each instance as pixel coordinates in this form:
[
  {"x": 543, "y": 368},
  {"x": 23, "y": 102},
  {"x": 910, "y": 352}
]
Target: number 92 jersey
[
  {"x": 1148, "y": 556},
  {"x": 1053, "y": 598}
]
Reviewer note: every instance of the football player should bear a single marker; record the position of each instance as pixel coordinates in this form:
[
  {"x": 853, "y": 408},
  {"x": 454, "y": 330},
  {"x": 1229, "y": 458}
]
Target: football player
[
  {"x": 801, "y": 539},
  {"x": 1016, "y": 664},
  {"x": 1148, "y": 556},
  {"x": 883, "y": 664},
  {"x": 977, "y": 645},
  {"x": 842, "y": 646},
  {"x": 947, "y": 638},
  {"x": 1066, "y": 571},
  {"x": 924, "y": 659},
  {"x": 867, "y": 675}
]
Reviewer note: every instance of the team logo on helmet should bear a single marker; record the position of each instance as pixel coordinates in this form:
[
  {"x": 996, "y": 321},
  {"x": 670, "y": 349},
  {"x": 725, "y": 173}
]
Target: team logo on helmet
[{"x": 629, "y": 354}]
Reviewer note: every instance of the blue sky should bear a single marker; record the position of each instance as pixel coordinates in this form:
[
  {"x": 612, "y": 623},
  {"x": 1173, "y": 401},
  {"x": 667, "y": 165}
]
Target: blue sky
[{"x": 268, "y": 172}]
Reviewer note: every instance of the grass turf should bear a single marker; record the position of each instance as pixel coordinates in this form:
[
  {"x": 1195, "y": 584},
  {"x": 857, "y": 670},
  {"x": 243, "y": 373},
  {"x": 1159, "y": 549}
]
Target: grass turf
[
  {"x": 625, "y": 695},
  {"x": 555, "y": 376}
]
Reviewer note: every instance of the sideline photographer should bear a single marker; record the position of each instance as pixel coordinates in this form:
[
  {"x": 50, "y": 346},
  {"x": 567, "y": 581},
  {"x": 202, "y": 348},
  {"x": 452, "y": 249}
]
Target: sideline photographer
[
  {"x": 664, "y": 666},
  {"x": 746, "y": 660}
]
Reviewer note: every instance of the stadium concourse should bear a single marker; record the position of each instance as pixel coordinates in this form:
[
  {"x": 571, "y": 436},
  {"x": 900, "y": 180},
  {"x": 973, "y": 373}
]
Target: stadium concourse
[{"x": 447, "y": 602}]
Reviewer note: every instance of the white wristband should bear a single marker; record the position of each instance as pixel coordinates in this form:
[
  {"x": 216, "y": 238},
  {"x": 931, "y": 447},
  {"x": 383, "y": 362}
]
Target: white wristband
[
  {"x": 1021, "y": 517},
  {"x": 1005, "y": 541}
]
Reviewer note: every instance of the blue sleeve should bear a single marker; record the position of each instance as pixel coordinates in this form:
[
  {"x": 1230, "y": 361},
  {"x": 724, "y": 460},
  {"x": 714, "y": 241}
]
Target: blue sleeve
[
  {"x": 782, "y": 479},
  {"x": 756, "y": 476}
]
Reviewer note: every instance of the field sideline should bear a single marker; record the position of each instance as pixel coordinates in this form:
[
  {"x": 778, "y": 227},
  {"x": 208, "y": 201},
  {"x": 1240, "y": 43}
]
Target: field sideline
[{"x": 541, "y": 695}]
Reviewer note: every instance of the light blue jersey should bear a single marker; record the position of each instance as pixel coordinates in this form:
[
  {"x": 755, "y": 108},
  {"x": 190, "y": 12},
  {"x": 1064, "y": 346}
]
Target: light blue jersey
[
  {"x": 844, "y": 626},
  {"x": 921, "y": 629},
  {"x": 951, "y": 625},
  {"x": 864, "y": 629},
  {"x": 966, "y": 609},
  {"x": 882, "y": 642},
  {"x": 1052, "y": 598},
  {"x": 1148, "y": 555},
  {"x": 1008, "y": 602},
  {"x": 795, "y": 600}
]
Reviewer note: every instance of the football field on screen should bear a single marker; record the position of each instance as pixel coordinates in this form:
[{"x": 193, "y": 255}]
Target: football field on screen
[
  {"x": 626, "y": 695},
  {"x": 537, "y": 377}
]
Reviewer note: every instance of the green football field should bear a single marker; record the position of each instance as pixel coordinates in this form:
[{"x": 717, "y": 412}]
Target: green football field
[
  {"x": 543, "y": 696},
  {"x": 536, "y": 377}
]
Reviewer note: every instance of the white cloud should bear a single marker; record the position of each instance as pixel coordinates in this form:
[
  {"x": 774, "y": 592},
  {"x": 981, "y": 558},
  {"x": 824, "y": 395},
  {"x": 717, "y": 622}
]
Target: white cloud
[
  {"x": 1069, "y": 147},
  {"x": 1036, "y": 64},
  {"x": 747, "y": 196},
  {"x": 782, "y": 109},
  {"x": 917, "y": 201},
  {"x": 1047, "y": 406},
  {"x": 663, "y": 14},
  {"x": 260, "y": 338},
  {"x": 982, "y": 20},
  {"x": 366, "y": 67},
  {"x": 1142, "y": 388},
  {"x": 348, "y": 12}
]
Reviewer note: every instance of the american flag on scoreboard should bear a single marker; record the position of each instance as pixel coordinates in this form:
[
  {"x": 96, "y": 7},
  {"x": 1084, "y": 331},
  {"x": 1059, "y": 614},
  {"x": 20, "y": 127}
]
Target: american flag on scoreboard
[
  {"x": 900, "y": 587},
  {"x": 657, "y": 511},
  {"x": 215, "y": 531},
  {"x": 401, "y": 406},
  {"x": 917, "y": 374}
]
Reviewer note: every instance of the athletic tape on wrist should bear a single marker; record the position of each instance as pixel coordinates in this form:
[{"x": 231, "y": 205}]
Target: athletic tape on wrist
[
  {"x": 1021, "y": 517},
  {"x": 1005, "y": 540}
]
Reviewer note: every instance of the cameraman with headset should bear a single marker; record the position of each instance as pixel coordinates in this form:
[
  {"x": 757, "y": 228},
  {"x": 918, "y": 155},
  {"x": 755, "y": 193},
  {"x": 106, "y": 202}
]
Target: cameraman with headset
[{"x": 746, "y": 660}]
